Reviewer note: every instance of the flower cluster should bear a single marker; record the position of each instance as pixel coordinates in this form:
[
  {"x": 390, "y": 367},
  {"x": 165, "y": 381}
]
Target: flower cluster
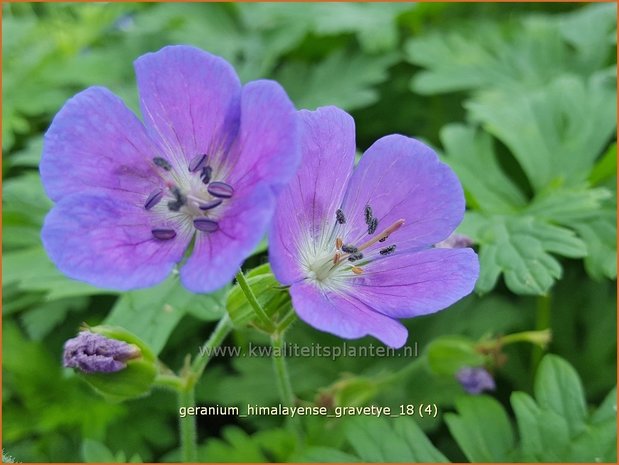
[{"x": 211, "y": 162}]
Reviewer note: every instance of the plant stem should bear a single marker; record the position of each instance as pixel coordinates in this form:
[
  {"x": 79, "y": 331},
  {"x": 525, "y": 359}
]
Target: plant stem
[
  {"x": 251, "y": 298},
  {"x": 187, "y": 426},
  {"x": 542, "y": 321},
  {"x": 216, "y": 338},
  {"x": 404, "y": 372},
  {"x": 283, "y": 378}
]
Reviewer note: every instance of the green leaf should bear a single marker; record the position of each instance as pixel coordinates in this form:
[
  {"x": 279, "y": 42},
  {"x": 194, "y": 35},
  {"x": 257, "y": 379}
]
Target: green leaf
[
  {"x": 24, "y": 205},
  {"x": 393, "y": 440},
  {"x": 268, "y": 292},
  {"x": 482, "y": 429},
  {"x": 325, "y": 455},
  {"x": 557, "y": 132},
  {"x": 520, "y": 247},
  {"x": 32, "y": 271},
  {"x": 488, "y": 54},
  {"x": 607, "y": 409},
  {"x": 152, "y": 314},
  {"x": 558, "y": 389},
  {"x": 557, "y": 428},
  {"x": 97, "y": 452},
  {"x": 600, "y": 235},
  {"x": 544, "y": 434},
  {"x": 40, "y": 320},
  {"x": 521, "y": 53},
  {"x": 342, "y": 80},
  {"x": 589, "y": 31},
  {"x": 606, "y": 167},
  {"x": 238, "y": 446},
  {"x": 469, "y": 152}
]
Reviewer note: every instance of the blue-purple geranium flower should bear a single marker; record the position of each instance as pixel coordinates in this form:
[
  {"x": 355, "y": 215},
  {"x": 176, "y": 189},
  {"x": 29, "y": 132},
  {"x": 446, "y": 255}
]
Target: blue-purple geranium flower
[
  {"x": 205, "y": 164},
  {"x": 357, "y": 247}
]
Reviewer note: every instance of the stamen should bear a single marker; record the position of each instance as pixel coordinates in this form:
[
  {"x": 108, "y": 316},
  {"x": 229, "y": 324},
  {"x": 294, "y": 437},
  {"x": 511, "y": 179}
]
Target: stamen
[
  {"x": 387, "y": 250},
  {"x": 349, "y": 248},
  {"x": 206, "y": 174},
  {"x": 339, "y": 216},
  {"x": 338, "y": 243},
  {"x": 206, "y": 225},
  {"x": 153, "y": 199},
  {"x": 197, "y": 163},
  {"x": 355, "y": 257},
  {"x": 210, "y": 205},
  {"x": 383, "y": 239},
  {"x": 386, "y": 233},
  {"x": 368, "y": 214},
  {"x": 356, "y": 270},
  {"x": 163, "y": 234},
  {"x": 162, "y": 163},
  {"x": 181, "y": 199},
  {"x": 220, "y": 189},
  {"x": 372, "y": 225},
  {"x": 336, "y": 258}
]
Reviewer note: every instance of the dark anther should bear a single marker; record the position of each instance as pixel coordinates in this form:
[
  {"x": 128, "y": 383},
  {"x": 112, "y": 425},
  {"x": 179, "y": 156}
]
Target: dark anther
[
  {"x": 197, "y": 163},
  {"x": 163, "y": 234},
  {"x": 153, "y": 199},
  {"x": 356, "y": 256},
  {"x": 181, "y": 199},
  {"x": 349, "y": 248},
  {"x": 372, "y": 226},
  {"x": 206, "y": 225},
  {"x": 387, "y": 250},
  {"x": 383, "y": 239},
  {"x": 174, "y": 205},
  {"x": 339, "y": 216},
  {"x": 210, "y": 205},
  {"x": 162, "y": 163},
  {"x": 368, "y": 214},
  {"x": 220, "y": 189},
  {"x": 206, "y": 174}
]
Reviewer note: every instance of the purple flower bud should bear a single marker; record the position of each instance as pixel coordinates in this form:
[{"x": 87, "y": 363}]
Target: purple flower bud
[
  {"x": 475, "y": 380},
  {"x": 94, "y": 353},
  {"x": 455, "y": 241}
]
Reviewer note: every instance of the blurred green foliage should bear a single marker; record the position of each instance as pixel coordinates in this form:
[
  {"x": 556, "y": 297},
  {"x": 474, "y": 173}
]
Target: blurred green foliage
[{"x": 518, "y": 98}]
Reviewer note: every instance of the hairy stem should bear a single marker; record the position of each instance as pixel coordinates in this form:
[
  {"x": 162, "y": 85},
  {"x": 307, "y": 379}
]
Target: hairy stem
[
  {"x": 283, "y": 378},
  {"x": 187, "y": 426},
  {"x": 216, "y": 338}
]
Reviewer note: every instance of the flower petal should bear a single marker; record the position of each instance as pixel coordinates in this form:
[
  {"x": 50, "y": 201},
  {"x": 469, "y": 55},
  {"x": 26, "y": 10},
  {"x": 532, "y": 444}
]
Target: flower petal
[
  {"x": 344, "y": 316},
  {"x": 109, "y": 244},
  {"x": 95, "y": 141},
  {"x": 306, "y": 208},
  {"x": 267, "y": 147},
  {"x": 189, "y": 100},
  {"x": 417, "y": 283},
  {"x": 401, "y": 178},
  {"x": 217, "y": 256}
]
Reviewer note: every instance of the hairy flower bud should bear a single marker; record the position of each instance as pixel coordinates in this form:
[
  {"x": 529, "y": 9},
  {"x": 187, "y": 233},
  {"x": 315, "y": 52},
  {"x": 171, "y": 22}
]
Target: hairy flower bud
[{"x": 115, "y": 362}]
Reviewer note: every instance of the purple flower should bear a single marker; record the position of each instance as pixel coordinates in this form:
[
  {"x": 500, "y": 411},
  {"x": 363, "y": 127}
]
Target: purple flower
[
  {"x": 356, "y": 247},
  {"x": 475, "y": 380},
  {"x": 203, "y": 169},
  {"x": 94, "y": 353}
]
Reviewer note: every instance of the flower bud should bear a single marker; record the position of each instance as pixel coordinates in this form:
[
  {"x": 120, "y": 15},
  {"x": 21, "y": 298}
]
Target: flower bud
[
  {"x": 353, "y": 391},
  {"x": 115, "y": 362},
  {"x": 475, "y": 380}
]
